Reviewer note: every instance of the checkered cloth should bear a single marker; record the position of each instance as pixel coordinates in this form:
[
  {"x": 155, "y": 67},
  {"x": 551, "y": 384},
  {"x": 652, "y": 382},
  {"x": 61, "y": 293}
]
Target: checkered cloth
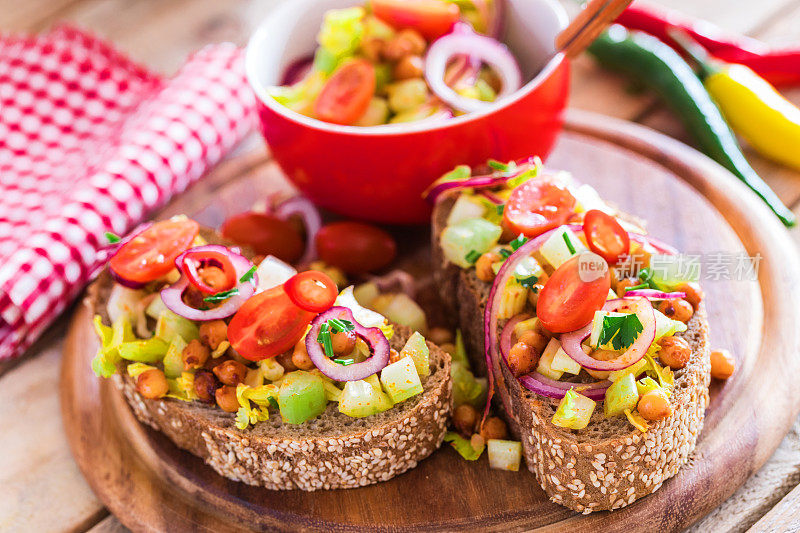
[{"x": 91, "y": 142}]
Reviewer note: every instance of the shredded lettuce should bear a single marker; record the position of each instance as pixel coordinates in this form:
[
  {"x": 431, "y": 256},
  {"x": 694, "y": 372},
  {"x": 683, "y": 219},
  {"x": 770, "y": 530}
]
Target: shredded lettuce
[
  {"x": 105, "y": 362},
  {"x": 666, "y": 327},
  {"x": 466, "y": 387},
  {"x": 137, "y": 369},
  {"x": 663, "y": 374},
  {"x": 342, "y": 30},
  {"x": 463, "y": 446},
  {"x": 645, "y": 385}
]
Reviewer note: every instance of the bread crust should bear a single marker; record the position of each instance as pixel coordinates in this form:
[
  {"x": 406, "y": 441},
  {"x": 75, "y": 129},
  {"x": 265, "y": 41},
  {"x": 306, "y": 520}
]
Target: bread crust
[
  {"x": 605, "y": 466},
  {"x": 342, "y": 452}
]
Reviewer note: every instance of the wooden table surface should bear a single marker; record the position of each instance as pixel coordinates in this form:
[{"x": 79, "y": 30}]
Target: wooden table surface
[{"x": 41, "y": 488}]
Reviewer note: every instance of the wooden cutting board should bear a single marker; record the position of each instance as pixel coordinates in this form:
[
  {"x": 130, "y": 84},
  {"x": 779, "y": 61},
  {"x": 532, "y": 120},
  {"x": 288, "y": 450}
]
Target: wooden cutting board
[{"x": 688, "y": 201}]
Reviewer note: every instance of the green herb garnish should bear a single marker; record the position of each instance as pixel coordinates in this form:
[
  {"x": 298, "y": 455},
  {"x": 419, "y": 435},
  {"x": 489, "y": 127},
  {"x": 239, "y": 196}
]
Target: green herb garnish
[
  {"x": 500, "y": 208},
  {"x": 528, "y": 282},
  {"x": 620, "y": 331},
  {"x": 569, "y": 244},
  {"x": 646, "y": 275},
  {"x": 519, "y": 241},
  {"x": 461, "y": 172},
  {"x": 247, "y": 276},
  {"x": 502, "y": 167},
  {"x": 324, "y": 338},
  {"x": 344, "y": 362},
  {"x": 224, "y": 295},
  {"x": 637, "y": 287},
  {"x": 472, "y": 256},
  {"x": 505, "y": 252},
  {"x": 339, "y": 326},
  {"x": 112, "y": 238}
]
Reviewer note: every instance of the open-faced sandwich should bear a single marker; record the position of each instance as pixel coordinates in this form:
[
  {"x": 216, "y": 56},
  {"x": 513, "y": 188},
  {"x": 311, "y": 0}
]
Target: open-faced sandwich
[
  {"x": 273, "y": 377},
  {"x": 595, "y": 338}
]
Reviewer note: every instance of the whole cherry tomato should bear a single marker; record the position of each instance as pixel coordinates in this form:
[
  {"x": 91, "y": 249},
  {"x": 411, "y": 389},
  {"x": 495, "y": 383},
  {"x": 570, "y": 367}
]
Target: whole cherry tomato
[
  {"x": 267, "y": 324},
  {"x": 209, "y": 271},
  {"x": 567, "y": 302},
  {"x": 432, "y": 18},
  {"x": 347, "y": 93},
  {"x": 605, "y": 236},
  {"x": 355, "y": 247},
  {"x": 265, "y": 234},
  {"x": 151, "y": 254},
  {"x": 312, "y": 290},
  {"x": 536, "y": 206}
]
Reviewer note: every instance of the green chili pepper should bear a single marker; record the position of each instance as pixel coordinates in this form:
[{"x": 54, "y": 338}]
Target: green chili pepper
[{"x": 649, "y": 60}]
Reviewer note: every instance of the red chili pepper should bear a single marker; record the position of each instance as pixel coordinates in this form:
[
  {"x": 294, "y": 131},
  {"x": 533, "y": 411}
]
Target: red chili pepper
[{"x": 778, "y": 66}]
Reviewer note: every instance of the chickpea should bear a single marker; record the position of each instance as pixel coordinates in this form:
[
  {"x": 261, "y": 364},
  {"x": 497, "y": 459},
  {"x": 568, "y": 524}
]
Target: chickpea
[
  {"x": 226, "y": 398},
  {"x": 230, "y": 372},
  {"x": 494, "y": 428},
  {"x": 464, "y": 419},
  {"x": 533, "y": 294},
  {"x": 722, "y": 364},
  {"x": 410, "y": 66},
  {"x": 394, "y": 356},
  {"x": 675, "y": 352},
  {"x": 285, "y": 360},
  {"x": 677, "y": 309},
  {"x": 213, "y": 276},
  {"x": 371, "y": 48},
  {"x": 522, "y": 358},
  {"x": 213, "y": 333},
  {"x": 194, "y": 298},
  {"x": 205, "y": 385},
  {"x": 654, "y": 405},
  {"x": 152, "y": 384},
  {"x": 406, "y": 42},
  {"x": 694, "y": 293},
  {"x": 535, "y": 339},
  {"x": 477, "y": 442},
  {"x": 300, "y": 357},
  {"x": 623, "y": 283},
  {"x": 194, "y": 355},
  {"x": 604, "y": 355},
  {"x": 483, "y": 266},
  {"x": 439, "y": 336},
  {"x": 343, "y": 342}
]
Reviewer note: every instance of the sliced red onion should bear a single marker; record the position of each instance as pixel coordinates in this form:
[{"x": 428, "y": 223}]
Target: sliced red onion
[
  {"x": 172, "y": 296},
  {"x": 440, "y": 186},
  {"x": 659, "y": 246},
  {"x": 544, "y": 386},
  {"x": 297, "y": 70},
  {"x": 463, "y": 40},
  {"x": 507, "y": 334},
  {"x": 652, "y": 294},
  {"x": 396, "y": 278},
  {"x": 126, "y": 282},
  {"x": 374, "y": 337},
  {"x": 571, "y": 342},
  {"x": 461, "y": 69},
  {"x": 492, "y": 197},
  {"x": 302, "y": 206}
]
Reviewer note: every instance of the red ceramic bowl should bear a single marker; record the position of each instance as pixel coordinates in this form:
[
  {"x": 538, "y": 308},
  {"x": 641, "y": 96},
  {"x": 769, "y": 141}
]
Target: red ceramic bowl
[{"x": 378, "y": 173}]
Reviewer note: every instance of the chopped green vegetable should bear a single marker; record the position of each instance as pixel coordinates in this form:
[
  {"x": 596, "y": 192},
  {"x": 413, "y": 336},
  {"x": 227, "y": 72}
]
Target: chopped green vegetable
[
  {"x": 460, "y": 355},
  {"x": 620, "y": 331},
  {"x": 463, "y": 446},
  {"x": 340, "y": 326},
  {"x": 524, "y": 176},
  {"x": 461, "y": 172},
  {"x": 637, "y": 287},
  {"x": 112, "y": 238},
  {"x": 400, "y": 380},
  {"x": 504, "y": 454},
  {"x": 528, "y": 282},
  {"x": 324, "y": 338},
  {"x": 342, "y": 30},
  {"x": 417, "y": 349},
  {"x": 301, "y": 397},
  {"x": 360, "y": 399},
  {"x": 466, "y": 387},
  {"x": 170, "y": 324},
  {"x": 501, "y": 209},
  {"x": 344, "y": 362},
  {"x": 220, "y": 296},
  {"x": 471, "y": 235},
  {"x": 574, "y": 411},
  {"x": 173, "y": 360},
  {"x": 511, "y": 166},
  {"x": 569, "y": 244},
  {"x": 247, "y": 276},
  {"x": 622, "y": 394},
  {"x": 472, "y": 256},
  {"x": 151, "y": 350},
  {"x": 519, "y": 241}
]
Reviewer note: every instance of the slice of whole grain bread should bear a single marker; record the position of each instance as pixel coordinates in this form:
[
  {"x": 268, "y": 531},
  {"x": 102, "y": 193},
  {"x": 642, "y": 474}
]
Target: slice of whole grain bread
[
  {"x": 331, "y": 451},
  {"x": 609, "y": 464}
]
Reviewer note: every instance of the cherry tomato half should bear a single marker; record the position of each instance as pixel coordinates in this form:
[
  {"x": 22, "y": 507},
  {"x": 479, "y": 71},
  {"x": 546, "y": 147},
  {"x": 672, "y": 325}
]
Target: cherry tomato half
[
  {"x": 265, "y": 234},
  {"x": 209, "y": 271},
  {"x": 346, "y": 95},
  {"x": 536, "y": 206},
  {"x": 267, "y": 324},
  {"x": 566, "y": 302},
  {"x": 355, "y": 247},
  {"x": 312, "y": 290},
  {"x": 432, "y": 18},
  {"x": 605, "y": 236},
  {"x": 152, "y": 253}
]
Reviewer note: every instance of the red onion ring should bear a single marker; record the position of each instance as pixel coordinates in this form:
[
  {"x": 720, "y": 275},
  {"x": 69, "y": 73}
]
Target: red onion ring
[
  {"x": 302, "y": 207},
  {"x": 486, "y": 49},
  {"x": 507, "y": 334},
  {"x": 652, "y": 294},
  {"x": 297, "y": 70},
  {"x": 492, "y": 197},
  {"x": 189, "y": 268},
  {"x": 442, "y": 185},
  {"x": 544, "y": 386},
  {"x": 659, "y": 246},
  {"x": 172, "y": 296},
  {"x": 571, "y": 342},
  {"x": 374, "y": 337}
]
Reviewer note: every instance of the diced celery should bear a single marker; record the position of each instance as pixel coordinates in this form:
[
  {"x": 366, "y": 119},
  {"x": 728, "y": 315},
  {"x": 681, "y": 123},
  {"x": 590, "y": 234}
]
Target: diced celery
[
  {"x": 415, "y": 114},
  {"x": 669, "y": 271},
  {"x": 122, "y": 301},
  {"x": 466, "y": 207},
  {"x": 527, "y": 268},
  {"x": 383, "y": 77},
  {"x": 342, "y": 30},
  {"x": 485, "y": 91},
  {"x": 530, "y": 324},
  {"x": 546, "y": 360},
  {"x": 597, "y": 328},
  {"x": 635, "y": 369},
  {"x": 377, "y": 29},
  {"x": 574, "y": 411},
  {"x": 155, "y": 308},
  {"x": 325, "y": 61},
  {"x": 621, "y": 395},
  {"x": 400, "y": 380},
  {"x": 147, "y": 351},
  {"x": 474, "y": 235},
  {"x": 169, "y": 324},
  {"x": 407, "y": 95},
  {"x": 513, "y": 300},
  {"x": 332, "y": 392},
  {"x": 366, "y": 293},
  {"x": 301, "y": 397},
  {"x": 402, "y": 310},
  {"x": 360, "y": 399},
  {"x": 466, "y": 387},
  {"x": 666, "y": 326},
  {"x": 173, "y": 360},
  {"x": 417, "y": 349},
  {"x": 504, "y": 454},
  {"x": 377, "y": 113},
  {"x": 564, "y": 363},
  {"x": 555, "y": 250},
  {"x": 463, "y": 446}
]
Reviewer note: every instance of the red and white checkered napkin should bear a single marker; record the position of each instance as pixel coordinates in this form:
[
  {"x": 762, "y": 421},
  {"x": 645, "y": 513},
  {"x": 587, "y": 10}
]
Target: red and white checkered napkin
[{"x": 89, "y": 143}]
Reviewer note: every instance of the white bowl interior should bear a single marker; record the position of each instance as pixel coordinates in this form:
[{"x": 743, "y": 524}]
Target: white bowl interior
[{"x": 289, "y": 34}]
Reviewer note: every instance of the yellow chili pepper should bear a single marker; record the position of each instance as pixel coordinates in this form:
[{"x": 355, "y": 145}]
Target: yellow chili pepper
[{"x": 752, "y": 107}]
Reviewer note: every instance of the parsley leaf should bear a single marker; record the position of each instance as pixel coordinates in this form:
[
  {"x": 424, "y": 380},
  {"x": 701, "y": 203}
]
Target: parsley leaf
[
  {"x": 620, "y": 331},
  {"x": 569, "y": 244},
  {"x": 247, "y": 276},
  {"x": 528, "y": 282},
  {"x": 519, "y": 241},
  {"x": 472, "y": 256},
  {"x": 112, "y": 238},
  {"x": 224, "y": 295},
  {"x": 324, "y": 338}
]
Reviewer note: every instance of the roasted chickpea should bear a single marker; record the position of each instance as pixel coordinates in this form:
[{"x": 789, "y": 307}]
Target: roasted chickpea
[
  {"x": 343, "y": 342},
  {"x": 394, "y": 356},
  {"x": 194, "y": 355},
  {"x": 406, "y": 42},
  {"x": 230, "y": 372},
  {"x": 285, "y": 360},
  {"x": 448, "y": 347},
  {"x": 483, "y": 266},
  {"x": 410, "y": 66},
  {"x": 677, "y": 309},
  {"x": 535, "y": 339},
  {"x": 226, "y": 398},
  {"x": 300, "y": 357},
  {"x": 477, "y": 442},
  {"x": 722, "y": 364},
  {"x": 694, "y": 293},
  {"x": 213, "y": 276},
  {"x": 675, "y": 352},
  {"x": 522, "y": 358},
  {"x": 623, "y": 283},
  {"x": 213, "y": 332},
  {"x": 464, "y": 419},
  {"x": 604, "y": 355},
  {"x": 152, "y": 384},
  {"x": 371, "y": 48},
  {"x": 205, "y": 385},
  {"x": 494, "y": 428},
  {"x": 654, "y": 405},
  {"x": 439, "y": 336}
]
